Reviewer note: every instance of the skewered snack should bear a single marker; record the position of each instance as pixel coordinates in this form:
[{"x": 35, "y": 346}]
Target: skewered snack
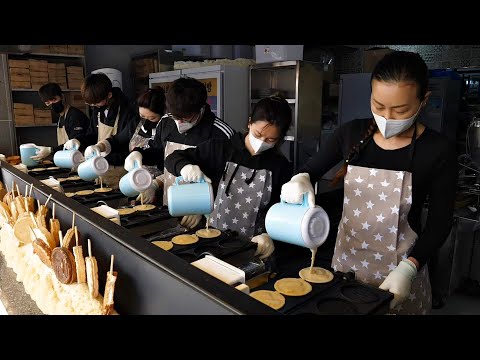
[
  {"x": 42, "y": 250},
  {"x": 92, "y": 272},
  {"x": 79, "y": 260},
  {"x": 109, "y": 290},
  {"x": 63, "y": 264},
  {"x": 21, "y": 230},
  {"x": 54, "y": 226}
]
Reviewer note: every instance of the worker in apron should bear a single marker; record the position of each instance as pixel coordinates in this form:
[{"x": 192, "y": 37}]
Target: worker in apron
[
  {"x": 151, "y": 108},
  {"x": 111, "y": 113},
  {"x": 72, "y": 122},
  {"x": 247, "y": 172},
  {"x": 391, "y": 163},
  {"x": 189, "y": 122}
]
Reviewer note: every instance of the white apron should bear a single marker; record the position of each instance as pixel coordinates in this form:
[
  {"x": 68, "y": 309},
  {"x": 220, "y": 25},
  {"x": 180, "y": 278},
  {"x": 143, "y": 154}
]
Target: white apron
[
  {"x": 374, "y": 234},
  {"x": 142, "y": 142},
  {"x": 168, "y": 178},
  {"x": 62, "y": 136}
]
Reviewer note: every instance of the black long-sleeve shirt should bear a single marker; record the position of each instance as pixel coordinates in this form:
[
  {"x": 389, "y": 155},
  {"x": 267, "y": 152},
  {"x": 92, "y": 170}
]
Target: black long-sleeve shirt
[
  {"x": 121, "y": 141},
  {"x": 434, "y": 173},
  {"x": 76, "y": 125},
  {"x": 128, "y": 118},
  {"x": 211, "y": 156},
  {"x": 207, "y": 128}
]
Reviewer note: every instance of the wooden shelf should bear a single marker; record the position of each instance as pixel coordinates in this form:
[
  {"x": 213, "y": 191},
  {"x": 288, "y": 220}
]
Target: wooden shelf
[
  {"x": 30, "y": 126},
  {"x": 290, "y": 101},
  {"x": 51, "y": 55},
  {"x": 66, "y": 90}
]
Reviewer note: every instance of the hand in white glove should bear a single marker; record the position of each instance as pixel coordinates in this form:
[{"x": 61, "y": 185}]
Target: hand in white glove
[
  {"x": 93, "y": 150},
  {"x": 399, "y": 281},
  {"x": 134, "y": 156},
  {"x": 149, "y": 194},
  {"x": 192, "y": 173},
  {"x": 191, "y": 221},
  {"x": 265, "y": 246},
  {"x": 42, "y": 152},
  {"x": 292, "y": 191},
  {"x": 72, "y": 144}
]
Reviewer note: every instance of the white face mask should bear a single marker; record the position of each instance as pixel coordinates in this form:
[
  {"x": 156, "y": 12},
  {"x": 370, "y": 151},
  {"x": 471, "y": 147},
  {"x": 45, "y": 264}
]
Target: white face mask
[
  {"x": 391, "y": 127},
  {"x": 185, "y": 126},
  {"x": 259, "y": 145}
]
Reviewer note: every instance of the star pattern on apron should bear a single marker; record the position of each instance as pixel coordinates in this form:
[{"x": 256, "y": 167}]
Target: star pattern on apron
[{"x": 241, "y": 202}]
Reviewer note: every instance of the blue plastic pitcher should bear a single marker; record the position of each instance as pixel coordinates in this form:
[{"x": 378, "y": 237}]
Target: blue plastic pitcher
[
  {"x": 298, "y": 224},
  {"x": 191, "y": 198},
  {"x": 26, "y": 152},
  {"x": 93, "y": 167},
  {"x": 68, "y": 159},
  {"x": 135, "y": 181}
]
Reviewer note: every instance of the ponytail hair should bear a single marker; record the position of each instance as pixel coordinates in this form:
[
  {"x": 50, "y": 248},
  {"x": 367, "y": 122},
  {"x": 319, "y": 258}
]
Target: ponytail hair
[{"x": 355, "y": 151}]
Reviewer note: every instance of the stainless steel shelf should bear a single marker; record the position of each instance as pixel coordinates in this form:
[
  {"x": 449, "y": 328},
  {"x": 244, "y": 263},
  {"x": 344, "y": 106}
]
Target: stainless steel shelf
[
  {"x": 66, "y": 90},
  {"x": 290, "y": 101}
]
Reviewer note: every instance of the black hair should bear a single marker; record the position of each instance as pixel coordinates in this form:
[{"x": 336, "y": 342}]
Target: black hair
[
  {"x": 153, "y": 100},
  {"x": 185, "y": 97},
  {"x": 95, "y": 88},
  {"x": 49, "y": 91},
  {"x": 276, "y": 111},
  {"x": 394, "y": 67}
]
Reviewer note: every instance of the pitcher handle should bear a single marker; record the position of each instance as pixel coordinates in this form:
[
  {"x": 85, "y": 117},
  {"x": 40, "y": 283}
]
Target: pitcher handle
[
  {"x": 180, "y": 178},
  {"x": 304, "y": 203}
]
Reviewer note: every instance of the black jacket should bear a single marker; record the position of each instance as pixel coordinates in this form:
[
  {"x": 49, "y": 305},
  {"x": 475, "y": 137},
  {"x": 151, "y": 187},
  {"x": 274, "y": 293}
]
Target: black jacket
[
  {"x": 209, "y": 127},
  {"x": 211, "y": 156},
  {"x": 76, "y": 125},
  {"x": 128, "y": 118},
  {"x": 120, "y": 142}
]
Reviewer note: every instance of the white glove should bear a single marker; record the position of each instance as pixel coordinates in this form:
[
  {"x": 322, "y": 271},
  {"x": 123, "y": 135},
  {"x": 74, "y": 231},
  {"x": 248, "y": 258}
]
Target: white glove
[
  {"x": 91, "y": 150},
  {"x": 72, "y": 144},
  {"x": 42, "y": 152},
  {"x": 149, "y": 194},
  {"x": 292, "y": 191},
  {"x": 130, "y": 160},
  {"x": 191, "y": 221},
  {"x": 265, "y": 246},
  {"x": 192, "y": 173},
  {"x": 399, "y": 281}
]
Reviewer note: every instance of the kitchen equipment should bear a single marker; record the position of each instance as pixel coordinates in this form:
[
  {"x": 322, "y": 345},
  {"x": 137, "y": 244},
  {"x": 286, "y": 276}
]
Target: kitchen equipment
[
  {"x": 68, "y": 159},
  {"x": 298, "y": 224},
  {"x": 26, "y": 152},
  {"x": 190, "y": 198},
  {"x": 135, "y": 181},
  {"x": 93, "y": 167}
]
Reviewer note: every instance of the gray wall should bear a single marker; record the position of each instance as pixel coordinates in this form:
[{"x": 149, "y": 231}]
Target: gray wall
[{"x": 117, "y": 57}]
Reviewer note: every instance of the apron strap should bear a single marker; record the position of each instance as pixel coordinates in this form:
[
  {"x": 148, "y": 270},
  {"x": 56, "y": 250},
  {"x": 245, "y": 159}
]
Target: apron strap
[{"x": 230, "y": 180}]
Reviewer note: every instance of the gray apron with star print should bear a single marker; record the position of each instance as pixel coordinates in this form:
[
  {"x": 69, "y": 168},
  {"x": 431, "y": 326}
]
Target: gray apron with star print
[
  {"x": 374, "y": 234},
  {"x": 140, "y": 141},
  {"x": 241, "y": 202}
]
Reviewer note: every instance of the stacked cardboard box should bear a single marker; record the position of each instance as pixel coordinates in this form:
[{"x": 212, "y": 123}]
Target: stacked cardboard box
[
  {"x": 74, "y": 77},
  {"x": 45, "y": 49},
  {"x": 76, "y": 49},
  {"x": 59, "y": 49},
  {"x": 23, "y": 114},
  {"x": 38, "y": 73},
  {"x": 75, "y": 99},
  {"x": 19, "y": 74},
  {"x": 42, "y": 116},
  {"x": 57, "y": 74}
]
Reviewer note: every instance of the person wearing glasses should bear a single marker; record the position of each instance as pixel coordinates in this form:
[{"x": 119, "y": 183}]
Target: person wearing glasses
[
  {"x": 111, "y": 113},
  {"x": 189, "y": 122},
  {"x": 151, "y": 108}
]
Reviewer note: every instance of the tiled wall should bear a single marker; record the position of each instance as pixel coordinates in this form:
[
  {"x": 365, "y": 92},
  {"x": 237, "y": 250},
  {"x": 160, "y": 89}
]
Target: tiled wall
[{"x": 436, "y": 56}]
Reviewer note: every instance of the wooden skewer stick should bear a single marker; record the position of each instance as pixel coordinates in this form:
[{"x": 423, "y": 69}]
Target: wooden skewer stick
[
  {"x": 26, "y": 190},
  {"x": 101, "y": 182},
  {"x": 7, "y": 217},
  {"x": 89, "y": 248},
  {"x": 25, "y": 198},
  {"x": 49, "y": 197},
  {"x": 76, "y": 236},
  {"x": 73, "y": 219},
  {"x": 18, "y": 190},
  {"x": 38, "y": 204},
  {"x": 30, "y": 192},
  {"x": 60, "y": 237},
  {"x": 33, "y": 232},
  {"x": 13, "y": 186},
  {"x": 33, "y": 219},
  {"x": 53, "y": 211},
  {"x": 111, "y": 265},
  {"x": 141, "y": 198}
]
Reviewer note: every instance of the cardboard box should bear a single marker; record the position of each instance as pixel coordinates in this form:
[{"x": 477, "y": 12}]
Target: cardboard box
[
  {"x": 372, "y": 57},
  {"x": 273, "y": 53},
  {"x": 22, "y": 120},
  {"x": 76, "y": 49},
  {"x": 20, "y": 84},
  {"x": 59, "y": 49},
  {"x": 20, "y": 78},
  {"x": 42, "y": 117},
  {"x": 19, "y": 64},
  {"x": 23, "y": 109},
  {"x": 38, "y": 65},
  {"x": 42, "y": 49},
  {"x": 74, "y": 70},
  {"x": 18, "y": 71}
]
